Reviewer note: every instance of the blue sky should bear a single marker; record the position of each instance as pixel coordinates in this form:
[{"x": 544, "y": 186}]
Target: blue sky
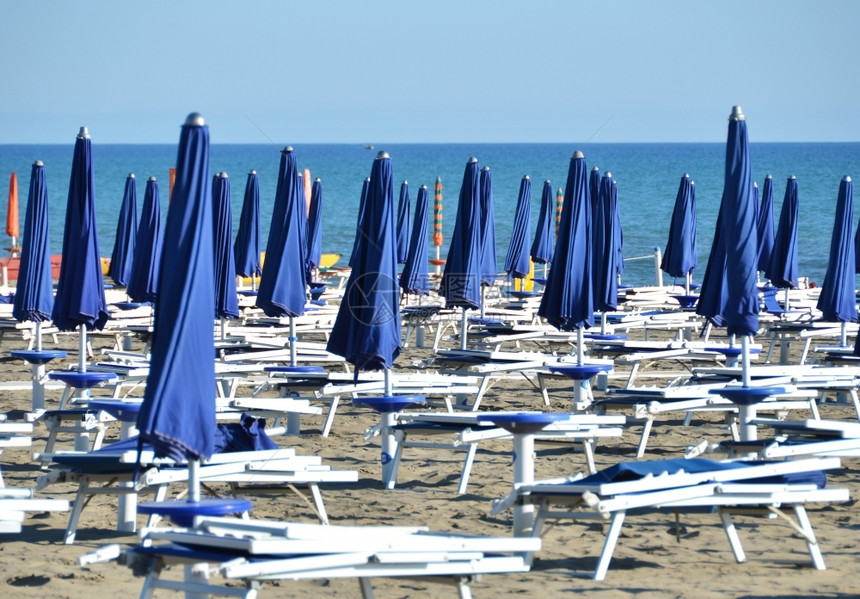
[{"x": 433, "y": 71}]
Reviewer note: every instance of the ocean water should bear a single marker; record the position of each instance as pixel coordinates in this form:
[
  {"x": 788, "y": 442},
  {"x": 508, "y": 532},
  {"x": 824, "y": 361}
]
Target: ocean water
[{"x": 647, "y": 175}]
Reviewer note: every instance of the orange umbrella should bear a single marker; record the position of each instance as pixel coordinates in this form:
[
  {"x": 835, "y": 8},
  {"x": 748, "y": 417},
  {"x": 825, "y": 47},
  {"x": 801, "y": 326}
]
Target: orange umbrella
[
  {"x": 559, "y": 200},
  {"x": 306, "y": 179},
  {"x": 13, "y": 229},
  {"x": 171, "y": 179},
  {"x": 437, "y": 223}
]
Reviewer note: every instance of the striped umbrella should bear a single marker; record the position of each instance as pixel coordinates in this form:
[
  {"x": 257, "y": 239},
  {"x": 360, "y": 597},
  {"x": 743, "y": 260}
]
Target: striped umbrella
[
  {"x": 559, "y": 202},
  {"x": 438, "y": 238},
  {"x": 12, "y": 223}
]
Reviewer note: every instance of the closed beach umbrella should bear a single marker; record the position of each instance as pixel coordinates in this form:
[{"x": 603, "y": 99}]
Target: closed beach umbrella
[
  {"x": 765, "y": 225},
  {"x": 541, "y": 250},
  {"x": 315, "y": 227},
  {"x": 143, "y": 283},
  {"x": 594, "y": 187},
  {"x": 604, "y": 233},
  {"x": 438, "y": 237},
  {"x": 680, "y": 257},
  {"x": 713, "y": 291},
  {"x": 246, "y": 250},
  {"x": 226, "y": 299},
  {"x": 559, "y": 204},
  {"x": 837, "y": 300},
  {"x": 783, "y": 268},
  {"x": 567, "y": 302},
  {"x": 414, "y": 279},
  {"x": 619, "y": 232},
  {"x": 126, "y": 231},
  {"x": 460, "y": 285},
  {"x": 34, "y": 292},
  {"x": 403, "y": 223},
  {"x": 80, "y": 298},
  {"x": 283, "y": 286},
  {"x": 488, "y": 267},
  {"x": 13, "y": 229},
  {"x": 517, "y": 260},
  {"x": 177, "y": 416},
  {"x": 366, "y": 331},
  {"x": 358, "y": 240}
]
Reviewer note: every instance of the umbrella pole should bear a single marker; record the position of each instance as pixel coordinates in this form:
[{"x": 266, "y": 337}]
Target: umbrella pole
[
  {"x": 786, "y": 300},
  {"x": 38, "y": 374},
  {"x": 293, "y": 340},
  {"x": 82, "y": 348},
  {"x": 389, "y": 442},
  {"x": 688, "y": 282},
  {"x": 746, "y": 413},
  {"x": 223, "y": 329},
  {"x": 464, "y": 322},
  {"x": 843, "y": 335},
  {"x": 578, "y": 386}
]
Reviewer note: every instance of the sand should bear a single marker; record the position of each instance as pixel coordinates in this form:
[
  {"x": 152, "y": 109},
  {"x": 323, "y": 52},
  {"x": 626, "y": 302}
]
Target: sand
[{"x": 655, "y": 557}]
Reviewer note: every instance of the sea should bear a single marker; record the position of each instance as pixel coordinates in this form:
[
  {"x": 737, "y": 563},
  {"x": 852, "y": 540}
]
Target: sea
[{"x": 647, "y": 176}]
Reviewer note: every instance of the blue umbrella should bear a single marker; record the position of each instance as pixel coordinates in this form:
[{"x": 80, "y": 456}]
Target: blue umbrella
[
  {"x": 713, "y": 291},
  {"x": 605, "y": 242},
  {"x": 783, "y": 268},
  {"x": 357, "y": 241},
  {"x": 517, "y": 263},
  {"x": 34, "y": 291},
  {"x": 403, "y": 223},
  {"x": 177, "y": 416},
  {"x": 314, "y": 241},
  {"x": 765, "y": 225},
  {"x": 461, "y": 279},
  {"x": 414, "y": 279},
  {"x": 80, "y": 298},
  {"x": 143, "y": 284},
  {"x": 593, "y": 187},
  {"x": 681, "y": 257},
  {"x": 541, "y": 250},
  {"x": 366, "y": 331},
  {"x": 837, "y": 300},
  {"x": 246, "y": 250},
  {"x": 488, "y": 267},
  {"x": 126, "y": 230},
  {"x": 567, "y": 301},
  {"x": 226, "y": 299},
  {"x": 619, "y": 232},
  {"x": 282, "y": 287}
]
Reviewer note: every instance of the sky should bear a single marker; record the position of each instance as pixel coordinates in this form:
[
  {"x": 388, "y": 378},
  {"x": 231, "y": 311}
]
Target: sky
[{"x": 433, "y": 71}]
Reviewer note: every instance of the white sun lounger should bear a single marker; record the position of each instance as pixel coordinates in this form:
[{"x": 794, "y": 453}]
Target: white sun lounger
[{"x": 679, "y": 485}]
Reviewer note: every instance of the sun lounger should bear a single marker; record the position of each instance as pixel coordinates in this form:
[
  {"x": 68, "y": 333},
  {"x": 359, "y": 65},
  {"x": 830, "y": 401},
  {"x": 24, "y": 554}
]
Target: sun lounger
[
  {"x": 730, "y": 487},
  {"x": 252, "y": 552}
]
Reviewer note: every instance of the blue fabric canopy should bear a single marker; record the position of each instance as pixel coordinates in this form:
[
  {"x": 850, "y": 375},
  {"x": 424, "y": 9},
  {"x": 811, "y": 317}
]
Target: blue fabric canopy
[
  {"x": 415, "y": 279},
  {"x": 461, "y": 279},
  {"x": 246, "y": 250},
  {"x": 765, "y": 225},
  {"x": 837, "y": 300},
  {"x": 541, "y": 250},
  {"x": 783, "y": 269},
  {"x": 517, "y": 263},
  {"x": 403, "y": 223},
  {"x": 34, "y": 291},
  {"x": 488, "y": 267},
  {"x": 681, "y": 256},
  {"x": 178, "y": 412},
  {"x": 226, "y": 298},
  {"x": 605, "y": 243},
  {"x": 80, "y": 298},
  {"x": 314, "y": 241},
  {"x": 618, "y": 236},
  {"x": 283, "y": 283},
  {"x": 366, "y": 331},
  {"x": 126, "y": 231},
  {"x": 713, "y": 291},
  {"x": 358, "y": 240},
  {"x": 738, "y": 207},
  {"x": 143, "y": 284},
  {"x": 567, "y": 301}
]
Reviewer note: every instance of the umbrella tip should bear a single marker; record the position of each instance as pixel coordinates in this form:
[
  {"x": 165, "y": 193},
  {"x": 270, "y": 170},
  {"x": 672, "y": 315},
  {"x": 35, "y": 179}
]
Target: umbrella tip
[
  {"x": 253, "y": 172},
  {"x": 525, "y": 176},
  {"x": 195, "y": 119},
  {"x": 222, "y": 174},
  {"x": 152, "y": 178},
  {"x": 287, "y": 149},
  {"x": 596, "y": 169},
  {"x": 423, "y": 187},
  {"x": 547, "y": 182},
  {"x": 607, "y": 174},
  {"x": 83, "y": 133},
  {"x": 472, "y": 160},
  {"x": 737, "y": 114},
  {"x": 38, "y": 163},
  {"x": 769, "y": 177},
  {"x": 792, "y": 177},
  {"x": 405, "y": 182},
  {"x": 578, "y": 154},
  {"x": 317, "y": 180},
  {"x": 686, "y": 175},
  {"x": 847, "y": 179},
  {"x": 382, "y": 154},
  {"x": 131, "y": 175}
]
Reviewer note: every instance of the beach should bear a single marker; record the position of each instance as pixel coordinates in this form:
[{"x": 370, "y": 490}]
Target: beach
[{"x": 657, "y": 555}]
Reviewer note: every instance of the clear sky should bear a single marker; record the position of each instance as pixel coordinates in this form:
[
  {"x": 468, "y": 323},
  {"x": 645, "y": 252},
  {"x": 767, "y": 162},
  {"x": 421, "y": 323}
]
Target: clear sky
[{"x": 389, "y": 71}]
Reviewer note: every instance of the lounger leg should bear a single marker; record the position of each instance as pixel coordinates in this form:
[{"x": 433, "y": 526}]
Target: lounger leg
[
  {"x": 609, "y": 545},
  {"x": 463, "y": 588},
  {"x": 366, "y": 588},
  {"x": 811, "y": 542},
  {"x": 467, "y": 467},
  {"x": 330, "y": 418},
  {"x": 77, "y": 508},
  {"x": 643, "y": 440},
  {"x": 732, "y": 534},
  {"x": 318, "y": 502},
  {"x": 196, "y": 574},
  {"x": 588, "y": 450}
]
